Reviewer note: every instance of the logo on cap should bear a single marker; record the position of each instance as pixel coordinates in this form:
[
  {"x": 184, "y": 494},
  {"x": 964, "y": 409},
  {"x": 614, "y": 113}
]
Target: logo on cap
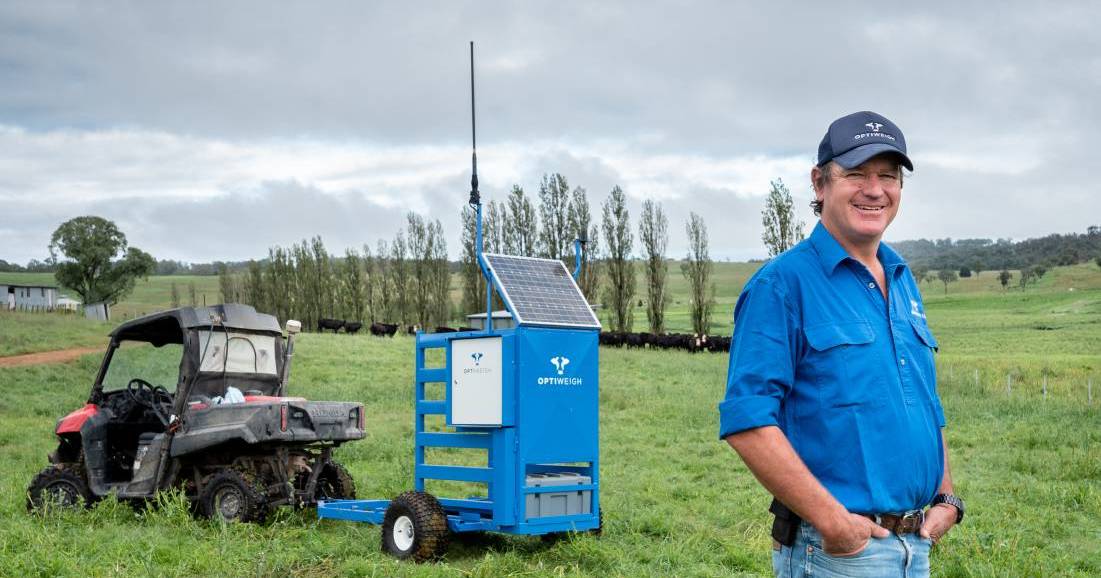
[{"x": 875, "y": 126}]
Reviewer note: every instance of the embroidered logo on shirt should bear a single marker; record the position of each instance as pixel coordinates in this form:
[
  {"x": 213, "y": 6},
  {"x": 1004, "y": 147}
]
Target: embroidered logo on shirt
[{"x": 915, "y": 311}]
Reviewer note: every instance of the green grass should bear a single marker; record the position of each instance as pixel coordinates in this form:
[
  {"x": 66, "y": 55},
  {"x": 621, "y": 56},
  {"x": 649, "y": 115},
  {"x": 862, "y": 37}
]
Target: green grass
[
  {"x": 33, "y": 332},
  {"x": 677, "y": 501}
]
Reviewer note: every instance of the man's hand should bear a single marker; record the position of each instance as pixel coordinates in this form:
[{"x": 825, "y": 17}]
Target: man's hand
[
  {"x": 938, "y": 520},
  {"x": 851, "y": 535}
]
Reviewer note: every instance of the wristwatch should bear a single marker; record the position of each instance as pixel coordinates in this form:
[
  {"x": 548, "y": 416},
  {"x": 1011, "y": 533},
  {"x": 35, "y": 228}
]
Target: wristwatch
[{"x": 951, "y": 500}]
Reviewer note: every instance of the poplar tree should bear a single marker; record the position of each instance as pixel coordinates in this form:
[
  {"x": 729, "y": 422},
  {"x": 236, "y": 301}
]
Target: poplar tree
[
  {"x": 616, "y": 227},
  {"x": 580, "y": 220},
  {"x": 782, "y": 228},
  {"x": 522, "y": 224},
  {"x": 554, "y": 199},
  {"x": 696, "y": 268},
  {"x": 653, "y": 232}
]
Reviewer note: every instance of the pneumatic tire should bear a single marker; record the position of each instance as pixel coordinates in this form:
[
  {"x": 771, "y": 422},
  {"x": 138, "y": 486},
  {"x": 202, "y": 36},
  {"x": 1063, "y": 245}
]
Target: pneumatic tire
[
  {"x": 58, "y": 487},
  {"x": 415, "y": 528},
  {"x": 231, "y": 496}
]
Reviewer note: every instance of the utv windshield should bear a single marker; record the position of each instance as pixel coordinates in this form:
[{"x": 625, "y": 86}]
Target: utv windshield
[
  {"x": 235, "y": 352},
  {"x": 139, "y": 360}
]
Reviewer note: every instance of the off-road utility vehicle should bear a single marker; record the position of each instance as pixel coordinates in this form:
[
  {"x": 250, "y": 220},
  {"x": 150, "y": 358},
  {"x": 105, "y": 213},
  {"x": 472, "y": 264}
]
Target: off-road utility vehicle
[{"x": 194, "y": 398}]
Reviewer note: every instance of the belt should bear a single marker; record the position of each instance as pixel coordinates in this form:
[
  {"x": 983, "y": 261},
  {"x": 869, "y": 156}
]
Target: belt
[{"x": 907, "y": 523}]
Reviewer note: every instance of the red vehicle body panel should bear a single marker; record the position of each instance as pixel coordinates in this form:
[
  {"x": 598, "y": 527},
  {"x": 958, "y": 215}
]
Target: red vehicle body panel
[{"x": 75, "y": 420}]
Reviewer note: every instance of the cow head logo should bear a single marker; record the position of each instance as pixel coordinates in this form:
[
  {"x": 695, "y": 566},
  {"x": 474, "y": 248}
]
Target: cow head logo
[
  {"x": 477, "y": 357},
  {"x": 874, "y": 126},
  {"x": 560, "y": 363}
]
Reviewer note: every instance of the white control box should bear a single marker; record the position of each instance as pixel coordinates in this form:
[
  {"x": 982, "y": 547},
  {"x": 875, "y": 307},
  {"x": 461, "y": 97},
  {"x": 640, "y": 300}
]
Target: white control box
[{"x": 476, "y": 382}]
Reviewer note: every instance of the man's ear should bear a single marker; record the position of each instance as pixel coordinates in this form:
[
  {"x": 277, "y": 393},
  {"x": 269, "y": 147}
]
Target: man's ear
[{"x": 817, "y": 182}]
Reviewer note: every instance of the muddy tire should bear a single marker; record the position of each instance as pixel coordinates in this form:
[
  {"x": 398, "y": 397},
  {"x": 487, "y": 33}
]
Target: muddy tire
[
  {"x": 335, "y": 483},
  {"x": 231, "y": 496},
  {"x": 415, "y": 528},
  {"x": 58, "y": 488}
]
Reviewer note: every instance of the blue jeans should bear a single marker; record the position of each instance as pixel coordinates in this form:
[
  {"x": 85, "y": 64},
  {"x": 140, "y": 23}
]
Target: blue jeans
[{"x": 905, "y": 556}]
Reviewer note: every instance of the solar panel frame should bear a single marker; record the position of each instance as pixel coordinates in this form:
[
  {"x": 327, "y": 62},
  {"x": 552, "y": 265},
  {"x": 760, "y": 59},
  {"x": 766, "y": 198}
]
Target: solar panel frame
[{"x": 518, "y": 303}]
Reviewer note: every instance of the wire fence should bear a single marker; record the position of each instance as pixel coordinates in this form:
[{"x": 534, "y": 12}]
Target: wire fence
[{"x": 1027, "y": 383}]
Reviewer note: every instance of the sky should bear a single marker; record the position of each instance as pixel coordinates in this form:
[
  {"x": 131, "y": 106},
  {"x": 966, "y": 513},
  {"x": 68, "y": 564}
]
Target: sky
[{"x": 213, "y": 131}]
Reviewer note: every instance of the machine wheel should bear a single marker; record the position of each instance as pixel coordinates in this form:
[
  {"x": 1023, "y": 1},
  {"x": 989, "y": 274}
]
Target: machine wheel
[
  {"x": 599, "y": 529},
  {"x": 415, "y": 527},
  {"x": 58, "y": 487},
  {"x": 230, "y": 496},
  {"x": 335, "y": 483}
]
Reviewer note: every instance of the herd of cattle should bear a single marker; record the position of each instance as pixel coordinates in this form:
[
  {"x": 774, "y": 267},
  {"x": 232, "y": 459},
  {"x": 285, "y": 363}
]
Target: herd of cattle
[{"x": 683, "y": 341}]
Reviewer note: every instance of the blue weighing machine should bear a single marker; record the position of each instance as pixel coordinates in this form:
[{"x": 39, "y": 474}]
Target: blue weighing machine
[{"x": 526, "y": 395}]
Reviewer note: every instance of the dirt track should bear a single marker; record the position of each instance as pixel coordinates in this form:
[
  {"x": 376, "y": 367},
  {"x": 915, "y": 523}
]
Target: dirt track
[{"x": 60, "y": 356}]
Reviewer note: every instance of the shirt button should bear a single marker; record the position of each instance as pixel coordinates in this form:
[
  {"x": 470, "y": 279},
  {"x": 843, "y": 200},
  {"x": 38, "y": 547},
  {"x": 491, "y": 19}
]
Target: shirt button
[
  {"x": 902, "y": 361},
  {"x": 871, "y": 285}
]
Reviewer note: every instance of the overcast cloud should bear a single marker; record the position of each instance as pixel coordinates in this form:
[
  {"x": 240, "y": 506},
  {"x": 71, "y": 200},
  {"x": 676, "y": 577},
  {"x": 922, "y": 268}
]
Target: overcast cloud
[{"x": 214, "y": 131}]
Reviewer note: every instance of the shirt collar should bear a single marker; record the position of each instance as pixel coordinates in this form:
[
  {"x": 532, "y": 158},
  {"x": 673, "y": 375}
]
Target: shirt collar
[{"x": 831, "y": 253}]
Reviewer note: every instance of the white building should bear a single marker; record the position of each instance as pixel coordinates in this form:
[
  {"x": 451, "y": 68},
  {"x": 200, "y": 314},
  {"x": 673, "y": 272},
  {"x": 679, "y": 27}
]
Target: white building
[{"x": 28, "y": 296}]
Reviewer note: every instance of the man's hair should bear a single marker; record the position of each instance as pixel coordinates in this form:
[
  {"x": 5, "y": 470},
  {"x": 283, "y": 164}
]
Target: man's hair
[{"x": 827, "y": 178}]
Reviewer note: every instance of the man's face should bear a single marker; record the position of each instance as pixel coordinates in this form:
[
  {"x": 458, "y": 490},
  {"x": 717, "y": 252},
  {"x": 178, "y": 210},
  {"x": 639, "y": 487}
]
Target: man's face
[{"x": 859, "y": 203}]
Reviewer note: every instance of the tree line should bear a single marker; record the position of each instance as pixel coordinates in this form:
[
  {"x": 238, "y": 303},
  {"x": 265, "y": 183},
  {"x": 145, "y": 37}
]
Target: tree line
[
  {"x": 977, "y": 255},
  {"x": 520, "y": 225},
  {"x": 406, "y": 280}
]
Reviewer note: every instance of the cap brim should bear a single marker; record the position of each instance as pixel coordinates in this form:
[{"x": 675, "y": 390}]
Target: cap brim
[{"x": 861, "y": 154}]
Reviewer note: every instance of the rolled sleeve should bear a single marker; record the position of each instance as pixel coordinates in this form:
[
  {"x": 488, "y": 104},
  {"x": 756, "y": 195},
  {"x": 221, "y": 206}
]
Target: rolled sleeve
[{"x": 762, "y": 358}]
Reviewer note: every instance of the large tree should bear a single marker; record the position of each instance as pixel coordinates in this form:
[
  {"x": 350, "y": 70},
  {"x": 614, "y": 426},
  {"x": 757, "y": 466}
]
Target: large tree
[
  {"x": 782, "y": 228},
  {"x": 96, "y": 261},
  {"x": 697, "y": 270},
  {"x": 616, "y": 226},
  {"x": 653, "y": 232}
]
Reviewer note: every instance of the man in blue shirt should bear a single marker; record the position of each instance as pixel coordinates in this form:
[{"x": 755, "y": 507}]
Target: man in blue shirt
[{"x": 831, "y": 394}]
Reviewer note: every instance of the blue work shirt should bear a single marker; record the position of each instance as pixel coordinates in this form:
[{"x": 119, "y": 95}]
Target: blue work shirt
[{"x": 847, "y": 375}]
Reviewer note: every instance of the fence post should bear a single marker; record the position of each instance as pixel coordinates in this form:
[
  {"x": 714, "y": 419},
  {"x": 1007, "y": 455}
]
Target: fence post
[
  {"x": 1045, "y": 387},
  {"x": 1089, "y": 392},
  {"x": 976, "y": 380},
  {"x": 1009, "y": 384}
]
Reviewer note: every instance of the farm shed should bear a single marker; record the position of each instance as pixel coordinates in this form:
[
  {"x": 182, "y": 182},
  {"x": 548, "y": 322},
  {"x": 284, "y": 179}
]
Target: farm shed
[{"x": 28, "y": 296}]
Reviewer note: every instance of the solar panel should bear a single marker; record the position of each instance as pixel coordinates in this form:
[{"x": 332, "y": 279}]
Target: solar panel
[{"x": 540, "y": 291}]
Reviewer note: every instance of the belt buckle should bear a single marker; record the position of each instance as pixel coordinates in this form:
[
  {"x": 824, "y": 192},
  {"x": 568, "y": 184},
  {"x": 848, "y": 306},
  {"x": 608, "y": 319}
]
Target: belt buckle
[{"x": 907, "y": 518}]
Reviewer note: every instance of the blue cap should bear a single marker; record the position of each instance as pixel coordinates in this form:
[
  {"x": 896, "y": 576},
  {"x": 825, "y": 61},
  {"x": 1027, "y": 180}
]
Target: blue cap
[{"x": 852, "y": 140}]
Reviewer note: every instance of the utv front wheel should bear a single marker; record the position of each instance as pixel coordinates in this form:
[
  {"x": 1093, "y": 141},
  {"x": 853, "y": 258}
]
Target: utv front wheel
[
  {"x": 58, "y": 487},
  {"x": 232, "y": 497},
  {"x": 415, "y": 527}
]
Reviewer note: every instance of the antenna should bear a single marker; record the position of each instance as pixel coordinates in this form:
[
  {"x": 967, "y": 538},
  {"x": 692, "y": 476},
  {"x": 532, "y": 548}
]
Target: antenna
[{"x": 475, "y": 198}]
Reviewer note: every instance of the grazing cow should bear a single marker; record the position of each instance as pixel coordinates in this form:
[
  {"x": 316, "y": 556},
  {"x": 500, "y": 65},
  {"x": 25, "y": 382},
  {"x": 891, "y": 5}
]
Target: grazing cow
[
  {"x": 352, "y": 326},
  {"x": 412, "y": 329},
  {"x": 465, "y": 328},
  {"x": 383, "y": 329},
  {"x": 442, "y": 329},
  {"x": 334, "y": 324}
]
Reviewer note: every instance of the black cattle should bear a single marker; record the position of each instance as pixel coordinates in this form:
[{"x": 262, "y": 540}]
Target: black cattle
[
  {"x": 442, "y": 329},
  {"x": 334, "y": 324},
  {"x": 352, "y": 326},
  {"x": 465, "y": 328},
  {"x": 383, "y": 329}
]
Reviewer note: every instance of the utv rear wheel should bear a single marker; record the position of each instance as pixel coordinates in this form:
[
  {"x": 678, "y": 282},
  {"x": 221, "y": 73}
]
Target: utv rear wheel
[
  {"x": 58, "y": 487},
  {"x": 415, "y": 527},
  {"x": 335, "y": 483},
  {"x": 230, "y": 496}
]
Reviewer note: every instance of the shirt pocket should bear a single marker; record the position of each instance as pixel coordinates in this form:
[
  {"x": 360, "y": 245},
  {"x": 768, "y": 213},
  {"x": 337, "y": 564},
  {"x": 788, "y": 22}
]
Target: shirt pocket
[{"x": 842, "y": 362}]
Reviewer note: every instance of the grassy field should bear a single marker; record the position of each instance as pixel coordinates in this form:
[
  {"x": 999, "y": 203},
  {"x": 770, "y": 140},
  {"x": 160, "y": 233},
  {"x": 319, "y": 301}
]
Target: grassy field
[{"x": 677, "y": 501}]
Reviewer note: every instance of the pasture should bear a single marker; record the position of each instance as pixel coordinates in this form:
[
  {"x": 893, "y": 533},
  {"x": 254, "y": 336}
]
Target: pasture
[{"x": 677, "y": 501}]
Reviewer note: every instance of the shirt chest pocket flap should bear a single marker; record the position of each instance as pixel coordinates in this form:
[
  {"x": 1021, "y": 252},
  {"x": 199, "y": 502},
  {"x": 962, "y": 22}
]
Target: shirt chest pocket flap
[{"x": 841, "y": 367}]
